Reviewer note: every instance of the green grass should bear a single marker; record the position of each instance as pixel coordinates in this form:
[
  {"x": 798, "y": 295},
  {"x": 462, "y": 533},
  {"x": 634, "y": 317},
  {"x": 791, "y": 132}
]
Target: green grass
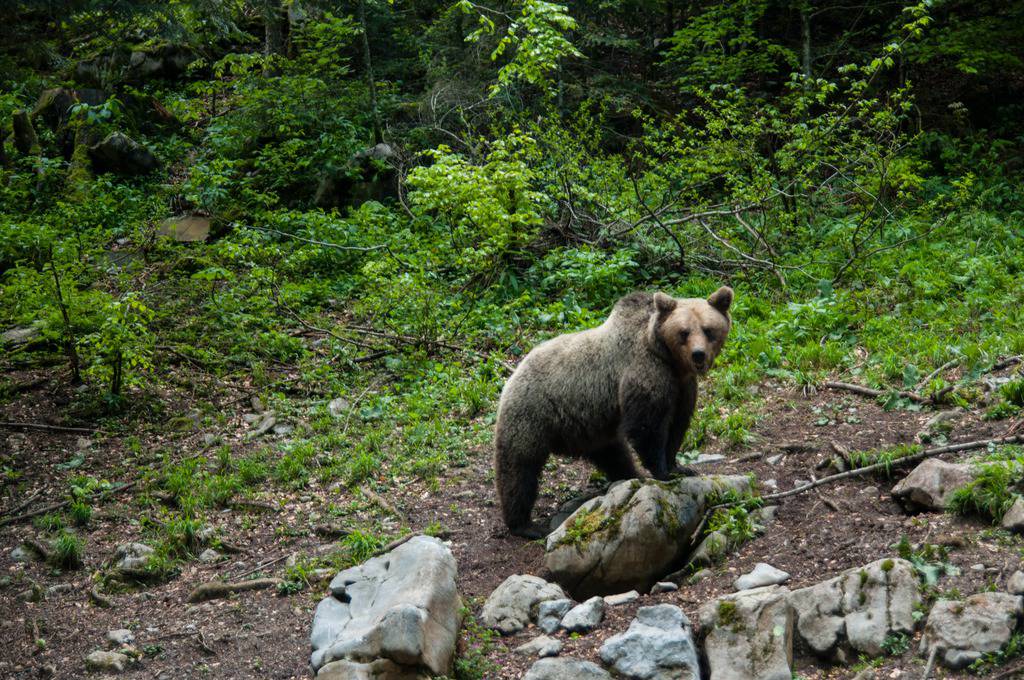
[{"x": 994, "y": 488}]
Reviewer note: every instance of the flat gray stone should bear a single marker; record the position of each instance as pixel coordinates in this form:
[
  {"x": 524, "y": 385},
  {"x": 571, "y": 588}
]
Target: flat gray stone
[
  {"x": 749, "y": 635},
  {"x": 622, "y": 598},
  {"x": 542, "y": 646},
  {"x": 963, "y": 631},
  {"x": 563, "y": 668},
  {"x": 664, "y": 587},
  {"x": 106, "y": 662},
  {"x": 515, "y": 602},
  {"x": 131, "y": 559},
  {"x": 632, "y": 535},
  {"x": 209, "y": 556},
  {"x": 658, "y": 645},
  {"x": 399, "y": 609},
  {"x": 550, "y": 613},
  {"x": 121, "y": 636},
  {"x": 584, "y": 617},
  {"x": 762, "y": 575},
  {"x": 21, "y": 554}
]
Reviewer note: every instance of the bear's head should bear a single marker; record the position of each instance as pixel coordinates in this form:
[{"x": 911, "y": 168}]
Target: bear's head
[{"x": 693, "y": 330}]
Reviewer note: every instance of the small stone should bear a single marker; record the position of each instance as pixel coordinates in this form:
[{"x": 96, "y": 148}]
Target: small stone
[
  {"x": 765, "y": 516},
  {"x": 562, "y": 668},
  {"x": 20, "y": 554},
  {"x": 59, "y": 589},
  {"x": 770, "y": 484},
  {"x": 762, "y": 575},
  {"x": 121, "y": 636},
  {"x": 931, "y": 485},
  {"x": 209, "y": 439},
  {"x": 106, "y": 662},
  {"x": 797, "y": 483},
  {"x": 267, "y": 421},
  {"x": 978, "y": 567},
  {"x": 1016, "y": 583},
  {"x": 708, "y": 458},
  {"x": 698, "y": 576},
  {"x": 870, "y": 491},
  {"x": 83, "y": 443},
  {"x": 251, "y": 418},
  {"x": 338, "y": 407},
  {"x": 283, "y": 428},
  {"x": 621, "y": 598},
  {"x": 550, "y": 613},
  {"x": 209, "y": 555},
  {"x": 664, "y": 587},
  {"x": 773, "y": 460},
  {"x": 542, "y": 646},
  {"x": 584, "y": 617}
]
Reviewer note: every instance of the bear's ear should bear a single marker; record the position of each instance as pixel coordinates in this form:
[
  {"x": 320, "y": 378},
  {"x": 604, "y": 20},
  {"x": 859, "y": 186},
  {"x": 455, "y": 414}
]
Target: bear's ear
[
  {"x": 663, "y": 303},
  {"x": 721, "y": 299}
]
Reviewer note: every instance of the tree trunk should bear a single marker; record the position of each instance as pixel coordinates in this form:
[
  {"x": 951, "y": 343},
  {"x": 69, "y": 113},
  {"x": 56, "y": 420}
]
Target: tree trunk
[
  {"x": 805, "y": 39},
  {"x": 70, "y": 351},
  {"x": 378, "y": 135},
  {"x": 275, "y": 32}
]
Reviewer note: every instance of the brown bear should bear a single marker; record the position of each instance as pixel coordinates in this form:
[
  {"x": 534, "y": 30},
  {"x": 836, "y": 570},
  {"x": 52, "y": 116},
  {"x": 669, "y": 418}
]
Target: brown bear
[{"x": 630, "y": 383}]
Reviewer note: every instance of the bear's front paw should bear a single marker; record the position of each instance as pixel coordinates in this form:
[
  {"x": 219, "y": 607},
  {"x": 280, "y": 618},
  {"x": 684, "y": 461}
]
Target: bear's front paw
[{"x": 531, "y": 531}]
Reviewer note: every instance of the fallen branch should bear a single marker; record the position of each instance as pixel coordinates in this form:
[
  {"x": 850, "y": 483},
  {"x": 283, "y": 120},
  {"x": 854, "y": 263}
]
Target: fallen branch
[
  {"x": 57, "y": 506},
  {"x": 99, "y": 600},
  {"x": 934, "y": 374},
  {"x": 868, "y": 392},
  {"x": 218, "y": 589},
  {"x": 899, "y": 462},
  {"x": 383, "y": 503},
  {"x": 50, "y": 428}
]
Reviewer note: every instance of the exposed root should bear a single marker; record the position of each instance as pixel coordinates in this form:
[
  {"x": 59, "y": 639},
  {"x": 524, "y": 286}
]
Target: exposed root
[{"x": 218, "y": 589}]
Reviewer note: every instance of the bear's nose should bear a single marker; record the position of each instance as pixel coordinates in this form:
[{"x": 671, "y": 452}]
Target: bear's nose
[{"x": 699, "y": 356}]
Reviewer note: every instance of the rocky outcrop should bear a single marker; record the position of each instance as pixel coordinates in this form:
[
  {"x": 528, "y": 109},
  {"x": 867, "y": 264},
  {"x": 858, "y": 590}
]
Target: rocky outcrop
[
  {"x": 749, "y": 635},
  {"x": 858, "y": 609},
  {"x": 931, "y": 484},
  {"x": 631, "y": 536},
  {"x": 394, "y": 616},
  {"x": 962, "y": 631},
  {"x": 658, "y": 645},
  {"x": 516, "y": 602}
]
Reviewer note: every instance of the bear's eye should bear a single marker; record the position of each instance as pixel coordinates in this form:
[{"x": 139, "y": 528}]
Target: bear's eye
[
  {"x": 683, "y": 335},
  {"x": 710, "y": 334}
]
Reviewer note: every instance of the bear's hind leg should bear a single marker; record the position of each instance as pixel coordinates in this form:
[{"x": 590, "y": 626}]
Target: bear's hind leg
[
  {"x": 615, "y": 461},
  {"x": 517, "y": 476}
]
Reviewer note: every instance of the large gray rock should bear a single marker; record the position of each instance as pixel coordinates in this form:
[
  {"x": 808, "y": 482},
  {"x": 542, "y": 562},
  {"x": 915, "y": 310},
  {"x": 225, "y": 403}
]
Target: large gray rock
[
  {"x": 931, "y": 484},
  {"x": 632, "y": 535},
  {"x": 394, "y": 616},
  {"x": 963, "y": 631},
  {"x": 749, "y": 635},
  {"x": 762, "y": 575},
  {"x": 1015, "y": 585},
  {"x": 566, "y": 669},
  {"x": 658, "y": 645},
  {"x": 120, "y": 154},
  {"x": 1013, "y": 520},
  {"x": 515, "y": 602},
  {"x": 584, "y": 617},
  {"x": 858, "y": 609}
]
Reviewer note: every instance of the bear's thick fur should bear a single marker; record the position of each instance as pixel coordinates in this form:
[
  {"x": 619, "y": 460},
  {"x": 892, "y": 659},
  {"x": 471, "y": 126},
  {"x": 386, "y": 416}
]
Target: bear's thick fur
[{"x": 630, "y": 383}]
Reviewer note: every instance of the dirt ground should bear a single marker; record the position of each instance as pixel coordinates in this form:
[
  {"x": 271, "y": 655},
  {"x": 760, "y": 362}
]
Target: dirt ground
[{"x": 263, "y": 635}]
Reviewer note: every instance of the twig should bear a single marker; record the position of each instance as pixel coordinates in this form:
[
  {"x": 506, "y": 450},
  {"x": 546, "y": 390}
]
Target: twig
[
  {"x": 383, "y": 503},
  {"x": 21, "y": 506},
  {"x": 928, "y": 453},
  {"x": 395, "y": 543},
  {"x": 264, "y": 565},
  {"x": 931, "y": 376},
  {"x": 1008, "y": 361},
  {"x": 52, "y": 428},
  {"x": 931, "y": 662},
  {"x": 218, "y": 589}
]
